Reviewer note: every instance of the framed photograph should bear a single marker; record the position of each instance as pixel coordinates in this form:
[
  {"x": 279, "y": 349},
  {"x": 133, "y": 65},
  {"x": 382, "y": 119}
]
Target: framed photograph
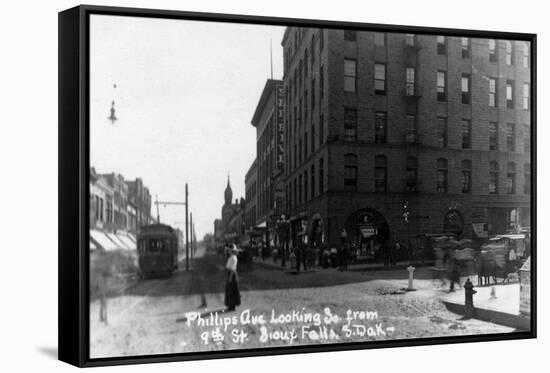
[{"x": 236, "y": 186}]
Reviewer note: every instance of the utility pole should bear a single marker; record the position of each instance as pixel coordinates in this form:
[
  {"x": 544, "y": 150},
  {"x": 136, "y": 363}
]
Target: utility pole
[
  {"x": 186, "y": 203},
  {"x": 186, "y": 228},
  {"x": 191, "y": 226}
]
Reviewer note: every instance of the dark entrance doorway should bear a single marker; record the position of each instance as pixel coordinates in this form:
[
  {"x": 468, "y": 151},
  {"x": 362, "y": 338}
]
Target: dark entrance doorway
[
  {"x": 368, "y": 234},
  {"x": 453, "y": 222}
]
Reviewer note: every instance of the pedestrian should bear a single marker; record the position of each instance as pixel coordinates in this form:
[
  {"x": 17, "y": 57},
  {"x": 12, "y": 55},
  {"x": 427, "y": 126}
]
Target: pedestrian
[
  {"x": 298, "y": 253},
  {"x": 345, "y": 257},
  {"x": 232, "y": 294},
  {"x": 304, "y": 256}
]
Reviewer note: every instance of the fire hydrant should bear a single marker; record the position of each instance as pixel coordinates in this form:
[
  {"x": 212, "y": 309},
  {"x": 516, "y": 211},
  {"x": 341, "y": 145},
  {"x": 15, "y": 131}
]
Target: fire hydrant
[{"x": 469, "y": 298}]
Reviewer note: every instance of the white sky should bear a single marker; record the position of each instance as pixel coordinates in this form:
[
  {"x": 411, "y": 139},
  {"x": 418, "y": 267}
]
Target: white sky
[{"x": 186, "y": 92}]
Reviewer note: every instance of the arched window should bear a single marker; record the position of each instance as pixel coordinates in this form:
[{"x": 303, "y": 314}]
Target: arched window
[
  {"x": 493, "y": 177},
  {"x": 509, "y": 53},
  {"x": 466, "y": 176},
  {"x": 350, "y": 172},
  {"x": 442, "y": 175},
  {"x": 411, "y": 174},
  {"x": 380, "y": 173},
  {"x": 511, "y": 178}
]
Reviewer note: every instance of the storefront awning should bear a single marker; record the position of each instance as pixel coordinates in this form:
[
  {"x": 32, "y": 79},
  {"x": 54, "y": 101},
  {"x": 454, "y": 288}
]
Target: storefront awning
[
  {"x": 262, "y": 225},
  {"x": 101, "y": 240}
]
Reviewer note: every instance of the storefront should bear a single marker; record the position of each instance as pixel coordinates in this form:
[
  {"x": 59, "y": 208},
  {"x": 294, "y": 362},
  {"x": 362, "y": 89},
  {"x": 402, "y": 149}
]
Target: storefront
[{"x": 367, "y": 234}]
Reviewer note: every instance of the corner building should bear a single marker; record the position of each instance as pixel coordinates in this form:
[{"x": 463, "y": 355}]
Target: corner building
[{"x": 380, "y": 124}]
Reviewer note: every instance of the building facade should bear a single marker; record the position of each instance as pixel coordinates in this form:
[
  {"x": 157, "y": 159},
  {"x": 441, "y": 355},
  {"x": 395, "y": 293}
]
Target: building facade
[
  {"x": 268, "y": 120},
  {"x": 388, "y": 134},
  {"x": 140, "y": 197},
  {"x": 250, "y": 197}
]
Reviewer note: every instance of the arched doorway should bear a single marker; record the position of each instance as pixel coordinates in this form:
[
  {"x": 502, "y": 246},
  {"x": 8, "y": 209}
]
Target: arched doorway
[
  {"x": 453, "y": 222},
  {"x": 368, "y": 234}
]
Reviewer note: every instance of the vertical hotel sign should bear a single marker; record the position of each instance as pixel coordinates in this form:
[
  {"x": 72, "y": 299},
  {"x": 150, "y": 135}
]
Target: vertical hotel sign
[{"x": 279, "y": 110}]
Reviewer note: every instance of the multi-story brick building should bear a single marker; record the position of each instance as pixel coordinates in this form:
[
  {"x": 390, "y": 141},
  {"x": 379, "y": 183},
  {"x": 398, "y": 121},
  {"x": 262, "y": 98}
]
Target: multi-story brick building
[
  {"x": 268, "y": 119},
  {"x": 250, "y": 182},
  {"x": 376, "y": 121},
  {"x": 140, "y": 197},
  {"x": 120, "y": 199}
]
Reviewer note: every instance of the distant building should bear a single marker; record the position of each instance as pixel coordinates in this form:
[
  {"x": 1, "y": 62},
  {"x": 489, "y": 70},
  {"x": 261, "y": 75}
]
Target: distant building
[
  {"x": 218, "y": 233},
  {"x": 376, "y": 121},
  {"x": 120, "y": 200},
  {"x": 101, "y": 203},
  {"x": 139, "y": 196}
]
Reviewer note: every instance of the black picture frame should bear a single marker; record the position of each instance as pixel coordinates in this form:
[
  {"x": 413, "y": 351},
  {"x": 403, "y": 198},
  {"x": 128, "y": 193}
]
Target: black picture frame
[{"x": 74, "y": 183}]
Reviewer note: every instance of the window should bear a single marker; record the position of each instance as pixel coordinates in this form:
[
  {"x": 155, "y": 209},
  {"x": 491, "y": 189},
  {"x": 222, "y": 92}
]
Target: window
[
  {"x": 527, "y": 178},
  {"x": 466, "y": 134},
  {"x": 312, "y": 47},
  {"x": 379, "y": 39},
  {"x": 492, "y": 92},
  {"x": 321, "y": 82},
  {"x": 321, "y": 176},
  {"x": 465, "y": 87},
  {"x": 442, "y": 132},
  {"x": 526, "y": 58},
  {"x": 350, "y": 173},
  {"x": 300, "y": 152},
  {"x": 300, "y": 196},
  {"x": 465, "y": 47},
  {"x": 380, "y": 130},
  {"x": 509, "y": 53},
  {"x": 410, "y": 40},
  {"x": 349, "y": 75},
  {"x": 411, "y": 129},
  {"x": 380, "y": 173},
  {"x": 321, "y": 39},
  {"x": 441, "y": 86},
  {"x": 411, "y": 174},
  {"x": 492, "y": 50},
  {"x": 305, "y": 145},
  {"x": 493, "y": 177},
  {"x": 510, "y": 94},
  {"x": 510, "y": 137},
  {"x": 350, "y": 35},
  {"x": 525, "y": 98},
  {"x": 312, "y": 180},
  {"x": 442, "y": 171},
  {"x": 305, "y": 106},
  {"x": 350, "y": 124},
  {"x": 441, "y": 45},
  {"x": 493, "y": 136},
  {"x": 295, "y": 155},
  {"x": 526, "y": 138},
  {"x": 306, "y": 64},
  {"x": 312, "y": 96},
  {"x": 312, "y": 137},
  {"x": 410, "y": 74},
  {"x": 466, "y": 176},
  {"x": 306, "y": 187},
  {"x": 511, "y": 178},
  {"x": 300, "y": 72},
  {"x": 321, "y": 130},
  {"x": 380, "y": 79}
]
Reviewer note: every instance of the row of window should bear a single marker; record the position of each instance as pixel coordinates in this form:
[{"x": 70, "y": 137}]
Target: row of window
[
  {"x": 442, "y": 170},
  {"x": 380, "y": 77},
  {"x": 465, "y": 46},
  {"x": 303, "y": 187}
]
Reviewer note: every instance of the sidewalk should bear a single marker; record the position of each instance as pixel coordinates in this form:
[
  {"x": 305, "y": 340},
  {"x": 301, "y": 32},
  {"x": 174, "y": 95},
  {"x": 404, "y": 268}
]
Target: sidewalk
[
  {"x": 268, "y": 262},
  {"x": 502, "y": 309}
]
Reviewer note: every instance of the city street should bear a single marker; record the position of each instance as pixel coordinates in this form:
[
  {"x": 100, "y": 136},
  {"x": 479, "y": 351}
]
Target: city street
[{"x": 149, "y": 317}]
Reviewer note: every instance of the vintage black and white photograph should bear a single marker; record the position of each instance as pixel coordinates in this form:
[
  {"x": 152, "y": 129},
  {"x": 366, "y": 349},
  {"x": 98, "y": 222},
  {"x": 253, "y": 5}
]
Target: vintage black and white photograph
[{"x": 269, "y": 186}]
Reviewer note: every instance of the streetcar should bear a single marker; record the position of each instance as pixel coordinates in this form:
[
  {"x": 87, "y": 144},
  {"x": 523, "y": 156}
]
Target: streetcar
[{"x": 157, "y": 246}]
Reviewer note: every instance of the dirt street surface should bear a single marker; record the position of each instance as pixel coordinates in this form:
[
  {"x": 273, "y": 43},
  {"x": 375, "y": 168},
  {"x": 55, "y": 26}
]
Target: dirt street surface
[{"x": 160, "y": 316}]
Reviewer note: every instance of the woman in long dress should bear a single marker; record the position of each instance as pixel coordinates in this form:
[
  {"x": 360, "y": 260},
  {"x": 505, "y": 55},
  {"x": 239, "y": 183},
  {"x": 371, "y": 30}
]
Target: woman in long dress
[{"x": 232, "y": 294}]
